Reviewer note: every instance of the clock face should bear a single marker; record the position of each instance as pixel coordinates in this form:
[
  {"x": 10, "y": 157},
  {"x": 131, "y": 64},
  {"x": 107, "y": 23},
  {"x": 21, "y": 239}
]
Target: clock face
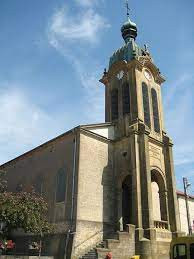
[
  {"x": 120, "y": 75},
  {"x": 147, "y": 75}
]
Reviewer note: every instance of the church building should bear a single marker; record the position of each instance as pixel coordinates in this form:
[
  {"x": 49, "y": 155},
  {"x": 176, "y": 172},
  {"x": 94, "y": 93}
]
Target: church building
[{"x": 110, "y": 187}]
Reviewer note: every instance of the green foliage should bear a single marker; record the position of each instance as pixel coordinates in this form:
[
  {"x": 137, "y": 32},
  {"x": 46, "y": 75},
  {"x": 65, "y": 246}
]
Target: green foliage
[
  {"x": 3, "y": 182},
  {"x": 26, "y": 210}
]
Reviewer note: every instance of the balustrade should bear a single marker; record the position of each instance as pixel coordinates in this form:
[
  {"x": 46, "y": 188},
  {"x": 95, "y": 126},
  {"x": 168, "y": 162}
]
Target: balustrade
[{"x": 161, "y": 224}]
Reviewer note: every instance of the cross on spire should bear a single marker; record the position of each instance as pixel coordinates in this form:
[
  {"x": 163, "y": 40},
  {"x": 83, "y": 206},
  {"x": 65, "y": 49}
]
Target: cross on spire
[{"x": 128, "y": 9}]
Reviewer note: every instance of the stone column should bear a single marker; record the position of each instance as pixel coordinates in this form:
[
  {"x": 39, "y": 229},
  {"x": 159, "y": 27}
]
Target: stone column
[
  {"x": 146, "y": 195},
  {"x": 174, "y": 218},
  {"x": 136, "y": 188}
]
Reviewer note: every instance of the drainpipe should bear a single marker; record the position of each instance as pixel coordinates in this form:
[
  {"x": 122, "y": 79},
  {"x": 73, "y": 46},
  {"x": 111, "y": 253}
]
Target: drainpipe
[
  {"x": 73, "y": 180},
  {"x": 186, "y": 185},
  {"x": 70, "y": 230}
]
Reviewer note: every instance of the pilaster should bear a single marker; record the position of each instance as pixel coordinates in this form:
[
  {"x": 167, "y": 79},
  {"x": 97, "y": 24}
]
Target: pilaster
[
  {"x": 145, "y": 172},
  {"x": 137, "y": 212},
  {"x": 174, "y": 218}
]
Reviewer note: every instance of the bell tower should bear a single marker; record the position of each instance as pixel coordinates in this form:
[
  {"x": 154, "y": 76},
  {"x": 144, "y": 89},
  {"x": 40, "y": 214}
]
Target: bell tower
[
  {"x": 133, "y": 86},
  {"x": 133, "y": 104}
]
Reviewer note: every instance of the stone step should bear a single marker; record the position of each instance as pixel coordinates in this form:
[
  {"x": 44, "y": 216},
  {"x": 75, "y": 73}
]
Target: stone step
[{"x": 90, "y": 255}]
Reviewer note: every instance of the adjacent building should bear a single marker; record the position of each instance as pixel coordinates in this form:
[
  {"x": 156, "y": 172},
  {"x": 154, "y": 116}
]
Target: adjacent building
[{"x": 183, "y": 211}]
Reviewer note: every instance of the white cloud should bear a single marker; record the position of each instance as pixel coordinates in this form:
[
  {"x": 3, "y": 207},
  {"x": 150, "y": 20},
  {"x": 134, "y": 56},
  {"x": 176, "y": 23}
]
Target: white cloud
[
  {"x": 94, "y": 94},
  {"x": 179, "y": 106},
  {"x": 83, "y": 27},
  {"x": 87, "y": 3},
  {"x": 67, "y": 34},
  {"x": 24, "y": 125},
  {"x": 176, "y": 86}
]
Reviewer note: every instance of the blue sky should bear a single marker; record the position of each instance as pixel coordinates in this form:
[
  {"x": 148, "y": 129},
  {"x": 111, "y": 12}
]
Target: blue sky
[{"x": 53, "y": 53}]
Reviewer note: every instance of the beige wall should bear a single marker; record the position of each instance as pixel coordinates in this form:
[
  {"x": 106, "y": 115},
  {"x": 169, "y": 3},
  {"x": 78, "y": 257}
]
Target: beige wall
[
  {"x": 183, "y": 213},
  {"x": 156, "y": 157},
  {"x": 46, "y": 161},
  {"x": 92, "y": 163},
  {"x": 95, "y": 198}
]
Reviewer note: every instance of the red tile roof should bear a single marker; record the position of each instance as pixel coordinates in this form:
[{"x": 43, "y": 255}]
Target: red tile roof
[{"x": 180, "y": 193}]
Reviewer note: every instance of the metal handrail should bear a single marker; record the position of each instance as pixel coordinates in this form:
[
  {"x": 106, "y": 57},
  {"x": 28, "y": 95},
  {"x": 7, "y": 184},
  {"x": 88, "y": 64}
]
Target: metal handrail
[{"x": 89, "y": 238}]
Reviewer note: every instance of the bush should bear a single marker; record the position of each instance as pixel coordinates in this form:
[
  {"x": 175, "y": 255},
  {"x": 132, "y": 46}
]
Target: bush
[{"x": 26, "y": 210}]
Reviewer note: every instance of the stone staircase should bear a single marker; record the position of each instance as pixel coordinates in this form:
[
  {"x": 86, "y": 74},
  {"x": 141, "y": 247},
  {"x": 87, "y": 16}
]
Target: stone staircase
[
  {"x": 92, "y": 254},
  {"x": 121, "y": 247}
]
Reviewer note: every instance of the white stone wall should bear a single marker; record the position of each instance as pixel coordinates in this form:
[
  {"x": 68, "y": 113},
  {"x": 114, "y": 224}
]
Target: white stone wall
[
  {"x": 183, "y": 213},
  {"x": 107, "y": 132}
]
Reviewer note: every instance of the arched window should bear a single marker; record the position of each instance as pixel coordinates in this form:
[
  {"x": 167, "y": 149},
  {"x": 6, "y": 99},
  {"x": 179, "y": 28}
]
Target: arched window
[
  {"x": 156, "y": 201},
  {"x": 126, "y": 98},
  {"x": 38, "y": 185},
  {"x": 155, "y": 110},
  {"x": 60, "y": 191},
  {"x": 146, "y": 104},
  {"x": 158, "y": 196},
  {"x": 114, "y": 104}
]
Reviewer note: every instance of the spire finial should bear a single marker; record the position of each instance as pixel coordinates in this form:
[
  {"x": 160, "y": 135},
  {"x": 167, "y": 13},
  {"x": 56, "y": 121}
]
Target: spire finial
[
  {"x": 128, "y": 9},
  {"x": 129, "y": 28}
]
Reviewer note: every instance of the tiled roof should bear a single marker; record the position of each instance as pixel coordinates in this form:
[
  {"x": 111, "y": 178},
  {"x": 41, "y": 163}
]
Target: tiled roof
[{"x": 180, "y": 193}]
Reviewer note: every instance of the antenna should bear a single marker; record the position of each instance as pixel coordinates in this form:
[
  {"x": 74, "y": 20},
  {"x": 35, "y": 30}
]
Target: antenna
[{"x": 128, "y": 9}]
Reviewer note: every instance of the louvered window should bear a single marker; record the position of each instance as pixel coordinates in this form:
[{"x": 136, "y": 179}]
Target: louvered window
[
  {"x": 155, "y": 110},
  {"x": 114, "y": 104},
  {"x": 146, "y": 105},
  {"x": 126, "y": 98}
]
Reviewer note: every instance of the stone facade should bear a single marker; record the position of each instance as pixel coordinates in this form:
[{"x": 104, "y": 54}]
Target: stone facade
[{"x": 40, "y": 167}]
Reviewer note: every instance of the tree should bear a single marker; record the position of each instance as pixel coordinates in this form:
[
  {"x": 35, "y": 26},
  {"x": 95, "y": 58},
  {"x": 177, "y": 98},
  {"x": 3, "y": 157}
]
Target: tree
[{"x": 26, "y": 210}]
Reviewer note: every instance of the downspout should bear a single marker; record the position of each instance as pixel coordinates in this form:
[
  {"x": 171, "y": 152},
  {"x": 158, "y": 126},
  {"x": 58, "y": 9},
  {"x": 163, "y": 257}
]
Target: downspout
[
  {"x": 70, "y": 230},
  {"x": 73, "y": 180}
]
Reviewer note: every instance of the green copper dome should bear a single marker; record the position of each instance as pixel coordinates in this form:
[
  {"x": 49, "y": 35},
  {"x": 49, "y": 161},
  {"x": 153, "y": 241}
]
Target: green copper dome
[
  {"x": 127, "y": 53},
  {"x": 129, "y": 30},
  {"x": 130, "y": 50}
]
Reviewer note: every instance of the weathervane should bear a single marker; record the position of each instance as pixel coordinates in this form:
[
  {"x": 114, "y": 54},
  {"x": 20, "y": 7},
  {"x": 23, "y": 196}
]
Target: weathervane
[{"x": 128, "y": 9}]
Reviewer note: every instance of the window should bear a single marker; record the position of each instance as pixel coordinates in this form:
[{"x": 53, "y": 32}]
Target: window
[
  {"x": 114, "y": 104},
  {"x": 146, "y": 104},
  {"x": 155, "y": 110},
  {"x": 19, "y": 187},
  {"x": 126, "y": 98},
  {"x": 180, "y": 251},
  {"x": 192, "y": 251},
  {"x": 156, "y": 201},
  {"x": 38, "y": 185},
  {"x": 60, "y": 192}
]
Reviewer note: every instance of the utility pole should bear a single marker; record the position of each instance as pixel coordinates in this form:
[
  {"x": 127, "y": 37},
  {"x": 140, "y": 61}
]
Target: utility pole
[{"x": 186, "y": 186}]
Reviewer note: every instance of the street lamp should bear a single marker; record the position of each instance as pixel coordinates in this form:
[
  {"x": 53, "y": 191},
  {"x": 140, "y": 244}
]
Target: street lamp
[{"x": 186, "y": 186}]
